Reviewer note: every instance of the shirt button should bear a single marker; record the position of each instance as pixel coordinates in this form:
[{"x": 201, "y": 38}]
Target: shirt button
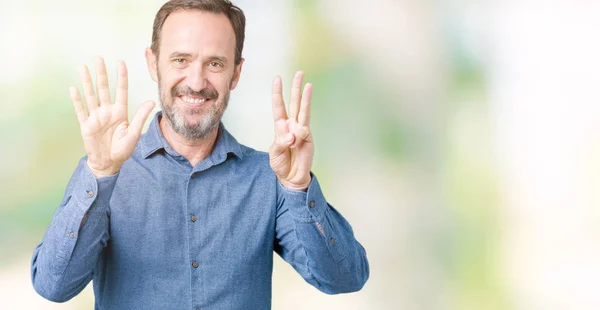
[
  {"x": 90, "y": 194},
  {"x": 312, "y": 203},
  {"x": 194, "y": 218},
  {"x": 72, "y": 234},
  {"x": 195, "y": 264},
  {"x": 331, "y": 241}
]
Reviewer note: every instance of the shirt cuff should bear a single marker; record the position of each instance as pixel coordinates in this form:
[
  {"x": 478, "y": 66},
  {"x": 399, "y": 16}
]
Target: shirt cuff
[
  {"x": 306, "y": 205},
  {"x": 92, "y": 189}
]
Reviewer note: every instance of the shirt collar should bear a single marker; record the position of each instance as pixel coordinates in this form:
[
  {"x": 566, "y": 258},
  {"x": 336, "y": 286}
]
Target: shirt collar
[{"x": 153, "y": 141}]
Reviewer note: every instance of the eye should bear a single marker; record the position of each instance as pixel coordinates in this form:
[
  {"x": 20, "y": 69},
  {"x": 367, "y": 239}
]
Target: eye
[
  {"x": 215, "y": 66},
  {"x": 179, "y": 62}
]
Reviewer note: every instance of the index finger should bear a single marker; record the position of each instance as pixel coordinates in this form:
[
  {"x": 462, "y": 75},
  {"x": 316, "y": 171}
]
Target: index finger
[
  {"x": 277, "y": 99},
  {"x": 122, "y": 84}
]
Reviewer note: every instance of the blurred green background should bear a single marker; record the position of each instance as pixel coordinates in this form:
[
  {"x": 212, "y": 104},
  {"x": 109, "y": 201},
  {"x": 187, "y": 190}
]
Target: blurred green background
[{"x": 459, "y": 138}]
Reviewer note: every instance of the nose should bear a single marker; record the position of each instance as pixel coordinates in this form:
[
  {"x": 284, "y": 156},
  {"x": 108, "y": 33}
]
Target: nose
[{"x": 196, "y": 76}]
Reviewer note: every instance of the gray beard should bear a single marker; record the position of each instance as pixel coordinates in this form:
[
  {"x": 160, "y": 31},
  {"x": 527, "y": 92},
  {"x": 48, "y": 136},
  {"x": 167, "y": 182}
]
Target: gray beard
[{"x": 201, "y": 130}]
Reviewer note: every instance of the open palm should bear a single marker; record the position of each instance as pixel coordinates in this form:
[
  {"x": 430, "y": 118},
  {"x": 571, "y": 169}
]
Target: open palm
[{"x": 108, "y": 137}]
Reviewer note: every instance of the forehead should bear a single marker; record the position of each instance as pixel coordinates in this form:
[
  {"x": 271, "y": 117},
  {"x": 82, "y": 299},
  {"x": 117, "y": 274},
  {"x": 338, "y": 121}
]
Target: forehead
[{"x": 197, "y": 32}]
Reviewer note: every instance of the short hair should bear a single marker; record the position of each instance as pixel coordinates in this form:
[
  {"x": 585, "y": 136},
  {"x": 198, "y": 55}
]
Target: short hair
[{"x": 233, "y": 13}]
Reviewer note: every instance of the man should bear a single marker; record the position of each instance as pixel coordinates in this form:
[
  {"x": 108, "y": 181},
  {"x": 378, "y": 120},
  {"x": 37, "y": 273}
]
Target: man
[{"x": 185, "y": 217}]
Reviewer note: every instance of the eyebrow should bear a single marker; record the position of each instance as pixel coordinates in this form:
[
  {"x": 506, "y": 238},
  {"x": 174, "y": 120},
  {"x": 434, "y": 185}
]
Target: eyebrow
[
  {"x": 219, "y": 58},
  {"x": 180, "y": 54},
  {"x": 188, "y": 55}
]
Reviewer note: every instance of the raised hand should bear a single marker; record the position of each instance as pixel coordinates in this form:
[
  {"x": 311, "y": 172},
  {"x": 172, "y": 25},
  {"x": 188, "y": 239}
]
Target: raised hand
[
  {"x": 291, "y": 154},
  {"x": 108, "y": 137}
]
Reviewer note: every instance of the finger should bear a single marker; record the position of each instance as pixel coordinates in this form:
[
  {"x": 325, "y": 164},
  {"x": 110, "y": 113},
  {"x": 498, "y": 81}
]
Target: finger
[
  {"x": 281, "y": 128},
  {"x": 78, "y": 105},
  {"x": 88, "y": 89},
  {"x": 279, "y": 114},
  {"x": 277, "y": 100},
  {"x": 295, "y": 97},
  {"x": 301, "y": 135},
  {"x": 122, "y": 84},
  {"x": 101, "y": 81},
  {"x": 304, "y": 116},
  {"x": 280, "y": 145},
  {"x": 140, "y": 117}
]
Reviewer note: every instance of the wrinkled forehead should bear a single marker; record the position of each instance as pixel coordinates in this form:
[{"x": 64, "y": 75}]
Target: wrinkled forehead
[{"x": 197, "y": 33}]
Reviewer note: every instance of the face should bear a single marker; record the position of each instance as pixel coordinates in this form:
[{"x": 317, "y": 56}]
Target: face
[{"x": 195, "y": 71}]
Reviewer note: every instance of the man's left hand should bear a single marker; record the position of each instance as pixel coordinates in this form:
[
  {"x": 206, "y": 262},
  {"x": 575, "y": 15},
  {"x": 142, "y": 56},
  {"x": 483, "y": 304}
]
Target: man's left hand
[{"x": 291, "y": 154}]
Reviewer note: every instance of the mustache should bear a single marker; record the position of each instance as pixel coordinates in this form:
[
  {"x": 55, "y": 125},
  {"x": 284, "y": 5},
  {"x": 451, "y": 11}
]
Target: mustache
[{"x": 208, "y": 92}]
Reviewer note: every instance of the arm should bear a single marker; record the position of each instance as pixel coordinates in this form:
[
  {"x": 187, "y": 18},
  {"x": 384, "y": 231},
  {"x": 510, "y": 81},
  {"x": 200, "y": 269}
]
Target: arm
[
  {"x": 63, "y": 262},
  {"x": 318, "y": 242},
  {"x": 310, "y": 234}
]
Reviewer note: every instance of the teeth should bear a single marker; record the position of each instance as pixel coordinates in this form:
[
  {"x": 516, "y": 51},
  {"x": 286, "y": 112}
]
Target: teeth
[{"x": 192, "y": 100}]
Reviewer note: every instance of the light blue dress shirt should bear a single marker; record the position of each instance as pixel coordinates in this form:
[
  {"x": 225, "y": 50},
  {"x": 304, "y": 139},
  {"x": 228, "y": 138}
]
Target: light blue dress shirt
[{"x": 162, "y": 234}]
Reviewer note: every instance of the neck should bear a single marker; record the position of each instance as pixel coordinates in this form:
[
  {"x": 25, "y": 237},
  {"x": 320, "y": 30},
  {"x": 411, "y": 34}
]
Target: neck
[{"x": 193, "y": 150}]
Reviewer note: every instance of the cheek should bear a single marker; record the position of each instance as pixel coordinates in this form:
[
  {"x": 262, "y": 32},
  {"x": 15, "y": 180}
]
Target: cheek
[
  {"x": 169, "y": 77},
  {"x": 222, "y": 83}
]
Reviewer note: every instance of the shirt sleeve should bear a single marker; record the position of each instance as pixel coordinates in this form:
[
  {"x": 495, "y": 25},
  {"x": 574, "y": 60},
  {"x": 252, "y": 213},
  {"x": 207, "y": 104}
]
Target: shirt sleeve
[
  {"x": 63, "y": 262},
  {"x": 318, "y": 242}
]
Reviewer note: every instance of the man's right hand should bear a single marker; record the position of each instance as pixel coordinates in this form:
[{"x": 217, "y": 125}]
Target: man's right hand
[{"x": 108, "y": 137}]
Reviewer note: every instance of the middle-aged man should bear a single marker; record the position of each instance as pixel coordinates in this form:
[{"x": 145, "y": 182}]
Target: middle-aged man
[{"x": 185, "y": 217}]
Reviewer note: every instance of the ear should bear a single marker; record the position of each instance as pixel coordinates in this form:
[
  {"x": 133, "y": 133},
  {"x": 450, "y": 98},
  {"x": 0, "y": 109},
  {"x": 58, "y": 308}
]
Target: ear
[
  {"x": 151, "y": 63},
  {"x": 236, "y": 75}
]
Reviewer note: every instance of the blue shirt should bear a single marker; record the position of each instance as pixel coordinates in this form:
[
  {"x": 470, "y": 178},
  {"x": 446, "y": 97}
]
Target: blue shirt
[{"x": 162, "y": 234}]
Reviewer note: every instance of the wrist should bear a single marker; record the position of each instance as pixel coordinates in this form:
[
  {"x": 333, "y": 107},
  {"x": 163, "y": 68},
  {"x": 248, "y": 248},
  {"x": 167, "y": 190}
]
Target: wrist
[
  {"x": 296, "y": 186},
  {"x": 102, "y": 171}
]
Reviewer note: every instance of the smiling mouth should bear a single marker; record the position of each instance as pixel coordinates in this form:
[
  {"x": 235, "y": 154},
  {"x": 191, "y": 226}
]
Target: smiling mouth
[{"x": 193, "y": 100}]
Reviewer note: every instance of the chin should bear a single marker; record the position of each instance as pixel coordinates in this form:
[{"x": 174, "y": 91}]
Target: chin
[{"x": 195, "y": 119}]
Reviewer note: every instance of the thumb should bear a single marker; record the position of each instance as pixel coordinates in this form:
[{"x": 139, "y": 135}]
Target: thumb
[
  {"x": 280, "y": 145},
  {"x": 140, "y": 117}
]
